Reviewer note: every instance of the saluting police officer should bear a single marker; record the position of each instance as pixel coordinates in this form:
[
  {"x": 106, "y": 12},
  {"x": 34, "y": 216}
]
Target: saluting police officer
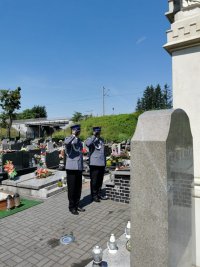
[
  {"x": 74, "y": 168},
  {"x": 97, "y": 162}
]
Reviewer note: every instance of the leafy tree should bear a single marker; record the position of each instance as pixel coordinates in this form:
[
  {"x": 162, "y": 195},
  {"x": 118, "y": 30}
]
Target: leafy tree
[
  {"x": 35, "y": 112},
  {"x": 77, "y": 116},
  {"x": 155, "y": 98},
  {"x": 9, "y": 102},
  {"x": 39, "y": 111},
  {"x": 3, "y": 118},
  {"x": 26, "y": 114}
]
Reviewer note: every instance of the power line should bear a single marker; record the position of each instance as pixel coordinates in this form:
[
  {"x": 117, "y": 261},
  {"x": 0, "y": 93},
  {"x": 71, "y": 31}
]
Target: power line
[
  {"x": 85, "y": 100},
  {"x": 105, "y": 93}
]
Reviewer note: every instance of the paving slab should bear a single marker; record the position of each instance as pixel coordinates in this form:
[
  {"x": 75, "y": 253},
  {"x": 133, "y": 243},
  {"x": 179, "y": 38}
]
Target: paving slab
[{"x": 33, "y": 235}]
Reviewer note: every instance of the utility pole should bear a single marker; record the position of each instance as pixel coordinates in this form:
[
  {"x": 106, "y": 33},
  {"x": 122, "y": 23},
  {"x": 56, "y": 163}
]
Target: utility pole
[{"x": 105, "y": 93}]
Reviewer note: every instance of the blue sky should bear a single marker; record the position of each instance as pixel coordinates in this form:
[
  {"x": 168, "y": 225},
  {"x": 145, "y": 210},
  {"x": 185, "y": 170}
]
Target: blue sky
[{"x": 62, "y": 52}]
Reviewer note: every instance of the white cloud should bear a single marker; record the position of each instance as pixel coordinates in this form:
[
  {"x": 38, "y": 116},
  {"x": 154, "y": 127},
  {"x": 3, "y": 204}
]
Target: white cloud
[{"x": 141, "y": 40}]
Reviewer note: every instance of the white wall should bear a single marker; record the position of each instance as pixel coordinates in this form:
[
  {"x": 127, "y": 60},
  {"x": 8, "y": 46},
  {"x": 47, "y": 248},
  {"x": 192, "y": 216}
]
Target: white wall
[{"x": 186, "y": 93}]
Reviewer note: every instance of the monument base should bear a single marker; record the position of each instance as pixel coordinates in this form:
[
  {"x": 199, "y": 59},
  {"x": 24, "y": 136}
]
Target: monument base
[{"x": 121, "y": 258}]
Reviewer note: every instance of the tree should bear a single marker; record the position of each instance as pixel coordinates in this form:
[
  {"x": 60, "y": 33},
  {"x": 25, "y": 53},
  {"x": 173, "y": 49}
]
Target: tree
[
  {"x": 155, "y": 98},
  {"x": 3, "y": 118},
  {"x": 39, "y": 111},
  {"x": 77, "y": 116},
  {"x": 25, "y": 114},
  {"x": 33, "y": 113},
  {"x": 167, "y": 96},
  {"x": 9, "y": 102}
]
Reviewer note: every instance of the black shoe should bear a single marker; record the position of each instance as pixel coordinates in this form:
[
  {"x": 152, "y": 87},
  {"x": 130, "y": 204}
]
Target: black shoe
[
  {"x": 74, "y": 212},
  {"x": 96, "y": 199},
  {"x": 103, "y": 197},
  {"x": 80, "y": 209}
]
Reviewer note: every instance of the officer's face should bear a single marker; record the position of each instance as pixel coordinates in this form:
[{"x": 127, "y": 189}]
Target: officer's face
[
  {"x": 76, "y": 132},
  {"x": 97, "y": 134}
]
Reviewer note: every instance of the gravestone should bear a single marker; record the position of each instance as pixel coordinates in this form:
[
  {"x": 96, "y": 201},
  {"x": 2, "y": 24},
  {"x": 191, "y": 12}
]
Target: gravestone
[
  {"x": 15, "y": 157},
  {"x": 16, "y": 146},
  {"x": 52, "y": 159},
  {"x": 5, "y": 144},
  {"x": 30, "y": 147},
  {"x": 50, "y": 146},
  {"x": 20, "y": 159},
  {"x": 161, "y": 181}
]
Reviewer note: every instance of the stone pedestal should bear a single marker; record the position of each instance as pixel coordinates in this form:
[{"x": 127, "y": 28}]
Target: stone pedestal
[
  {"x": 161, "y": 181},
  {"x": 183, "y": 43}
]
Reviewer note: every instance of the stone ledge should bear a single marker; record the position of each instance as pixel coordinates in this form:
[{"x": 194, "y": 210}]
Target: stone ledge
[{"x": 180, "y": 44}]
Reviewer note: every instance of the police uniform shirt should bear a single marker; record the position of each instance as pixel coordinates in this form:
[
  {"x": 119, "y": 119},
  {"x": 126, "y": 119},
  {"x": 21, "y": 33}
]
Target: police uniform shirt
[
  {"x": 74, "y": 155},
  {"x": 96, "y": 151}
]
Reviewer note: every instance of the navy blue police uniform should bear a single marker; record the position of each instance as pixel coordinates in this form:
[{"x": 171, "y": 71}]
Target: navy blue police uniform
[
  {"x": 97, "y": 163},
  {"x": 74, "y": 168}
]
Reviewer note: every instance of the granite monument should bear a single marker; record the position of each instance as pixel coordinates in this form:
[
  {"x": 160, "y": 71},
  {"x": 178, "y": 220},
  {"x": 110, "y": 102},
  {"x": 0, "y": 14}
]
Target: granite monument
[{"x": 161, "y": 181}]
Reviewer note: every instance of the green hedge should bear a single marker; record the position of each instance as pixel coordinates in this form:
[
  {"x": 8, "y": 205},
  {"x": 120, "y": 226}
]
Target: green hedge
[{"x": 13, "y": 133}]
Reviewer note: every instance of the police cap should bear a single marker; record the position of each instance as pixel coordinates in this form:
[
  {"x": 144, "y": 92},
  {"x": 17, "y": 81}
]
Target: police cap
[
  {"x": 97, "y": 129},
  {"x": 76, "y": 127}
]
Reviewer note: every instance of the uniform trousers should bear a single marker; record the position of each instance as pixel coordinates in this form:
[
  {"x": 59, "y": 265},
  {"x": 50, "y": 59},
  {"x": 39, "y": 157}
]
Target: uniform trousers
[
  {"x": 74, "y": 184},
  {"x": 96, "y": 180}
]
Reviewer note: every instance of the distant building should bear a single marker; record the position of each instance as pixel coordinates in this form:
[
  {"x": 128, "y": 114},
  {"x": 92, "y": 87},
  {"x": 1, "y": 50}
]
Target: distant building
[{"x": 41, "y": 127}]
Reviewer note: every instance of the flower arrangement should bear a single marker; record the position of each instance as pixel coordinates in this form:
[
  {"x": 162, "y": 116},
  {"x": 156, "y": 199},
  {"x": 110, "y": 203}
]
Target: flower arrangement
[
  {"x": 84, "y": 151},
  {"x": 43, "y": 153},
  {"x": 122, "y": 155},
  {"x": 42, "y": 173},
  {"x": 37, "y": 157},
  {"x": 10, "y": 169},
  {"x": 61, "y": 154},
  {"x": 42, "y": 146}
]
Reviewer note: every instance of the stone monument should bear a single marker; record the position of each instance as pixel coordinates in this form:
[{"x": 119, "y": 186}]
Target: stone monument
[
  {"x": 161, "y": 180},
  {"x": 183, "y": 44}
]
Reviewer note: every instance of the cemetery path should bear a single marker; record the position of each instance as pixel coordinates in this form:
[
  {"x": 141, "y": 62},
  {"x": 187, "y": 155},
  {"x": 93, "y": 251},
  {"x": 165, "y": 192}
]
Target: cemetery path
[{"x": 32, "y": 237}]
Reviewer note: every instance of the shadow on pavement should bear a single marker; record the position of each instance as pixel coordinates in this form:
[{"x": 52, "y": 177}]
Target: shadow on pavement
[
  {"x": 85, "y": 262},
  {"x": 85, "y": 201},
  {"x": 88, "y": 200}
]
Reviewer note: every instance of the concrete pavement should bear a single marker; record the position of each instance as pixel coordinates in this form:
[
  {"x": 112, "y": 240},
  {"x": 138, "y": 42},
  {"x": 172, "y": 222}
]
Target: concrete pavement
[{"x": 31, "y": 237}]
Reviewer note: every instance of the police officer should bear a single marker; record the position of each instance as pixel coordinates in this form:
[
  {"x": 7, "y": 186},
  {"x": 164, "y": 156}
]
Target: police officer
[
  {"x": 97, "y": 162},
  {"x": 74, "y": 167}
]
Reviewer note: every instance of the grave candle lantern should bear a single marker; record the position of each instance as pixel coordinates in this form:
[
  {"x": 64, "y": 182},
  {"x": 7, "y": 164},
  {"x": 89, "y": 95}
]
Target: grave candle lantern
[
  {"x": 128, "y": 230},
  {"x": 17, "y": 200},
  {"x": 97, "y": 255},
  {"x": 9, "y": 202},
  {"x": 112, "y": 245}
]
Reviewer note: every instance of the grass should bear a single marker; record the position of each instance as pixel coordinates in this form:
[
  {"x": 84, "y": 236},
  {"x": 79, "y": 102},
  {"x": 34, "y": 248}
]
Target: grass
[
  {"x": 25, "y": 204},
  {"x": 116, "y": 128}
]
